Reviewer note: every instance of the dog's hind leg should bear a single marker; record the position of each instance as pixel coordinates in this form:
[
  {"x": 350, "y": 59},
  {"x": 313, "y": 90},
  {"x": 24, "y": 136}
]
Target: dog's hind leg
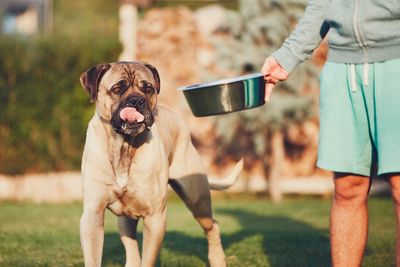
[
  {"x": 194, "y": 190},
  {"x": 127, "y": 230}
]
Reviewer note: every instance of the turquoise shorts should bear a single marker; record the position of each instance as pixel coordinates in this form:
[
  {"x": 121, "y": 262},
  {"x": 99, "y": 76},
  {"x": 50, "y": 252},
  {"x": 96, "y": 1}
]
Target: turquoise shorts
[{"x": 360, "y": 118}]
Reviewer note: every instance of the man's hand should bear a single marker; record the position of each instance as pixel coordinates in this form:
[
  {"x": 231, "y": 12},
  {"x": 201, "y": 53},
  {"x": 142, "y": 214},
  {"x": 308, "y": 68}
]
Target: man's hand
[{"x": 273, "y": 73}]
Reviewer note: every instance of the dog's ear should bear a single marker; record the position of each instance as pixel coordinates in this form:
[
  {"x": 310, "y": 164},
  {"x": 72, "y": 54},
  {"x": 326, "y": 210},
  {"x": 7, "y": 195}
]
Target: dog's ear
[
  {"x": 155, "y": 75},
  {"x": 91, "y": 78}
]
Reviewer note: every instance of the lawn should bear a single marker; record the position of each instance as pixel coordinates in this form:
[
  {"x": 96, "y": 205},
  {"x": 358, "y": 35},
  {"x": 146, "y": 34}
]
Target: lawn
[{"x": 255, "y": 232}]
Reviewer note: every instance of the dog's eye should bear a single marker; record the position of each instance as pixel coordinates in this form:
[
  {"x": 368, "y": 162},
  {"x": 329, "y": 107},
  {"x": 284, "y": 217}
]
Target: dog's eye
[
  {"x": 120, "y": 87},
  {"x": 115, "y": 89},
  {"x": 148, "y": 90},
  {"x": 145, "y": 87}
]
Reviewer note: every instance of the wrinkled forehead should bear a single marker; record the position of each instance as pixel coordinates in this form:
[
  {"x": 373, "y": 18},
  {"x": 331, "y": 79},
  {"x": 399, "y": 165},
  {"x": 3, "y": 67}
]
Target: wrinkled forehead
[{"x": 131, "y": 71}]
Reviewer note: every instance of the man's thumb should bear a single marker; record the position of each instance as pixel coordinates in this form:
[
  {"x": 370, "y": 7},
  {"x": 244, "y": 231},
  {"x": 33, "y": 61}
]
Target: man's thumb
[{"x": 268, "y": 90}]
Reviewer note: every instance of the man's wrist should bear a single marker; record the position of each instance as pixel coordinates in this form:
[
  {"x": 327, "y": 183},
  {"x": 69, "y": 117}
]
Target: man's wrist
[{"x": 286, "y": 59}]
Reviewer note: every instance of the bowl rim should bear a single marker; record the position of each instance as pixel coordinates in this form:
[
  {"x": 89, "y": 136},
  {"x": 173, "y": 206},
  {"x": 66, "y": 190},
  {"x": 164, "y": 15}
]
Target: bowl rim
[{"x": 221, "y": 82}]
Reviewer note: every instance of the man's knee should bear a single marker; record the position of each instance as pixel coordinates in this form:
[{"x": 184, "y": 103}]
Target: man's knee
[
  {"x": 394, "y": 180},
  {"x": 351, "y": 189}
]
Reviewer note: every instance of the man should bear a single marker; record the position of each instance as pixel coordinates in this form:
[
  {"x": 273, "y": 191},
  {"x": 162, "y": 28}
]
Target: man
[{"x": 359, "y": 107}]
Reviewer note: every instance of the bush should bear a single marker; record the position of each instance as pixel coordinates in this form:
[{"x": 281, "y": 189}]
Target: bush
[{"x": 44, "y": 110}]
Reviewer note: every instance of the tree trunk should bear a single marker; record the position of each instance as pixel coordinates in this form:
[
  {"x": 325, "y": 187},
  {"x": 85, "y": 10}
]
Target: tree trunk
[
  {"x": 275, "y": 168},
  {"x": 128, "y": 16}
]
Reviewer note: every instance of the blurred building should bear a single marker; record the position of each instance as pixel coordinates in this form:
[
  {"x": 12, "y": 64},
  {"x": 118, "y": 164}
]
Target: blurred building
[{"x": 26, "y": 17}]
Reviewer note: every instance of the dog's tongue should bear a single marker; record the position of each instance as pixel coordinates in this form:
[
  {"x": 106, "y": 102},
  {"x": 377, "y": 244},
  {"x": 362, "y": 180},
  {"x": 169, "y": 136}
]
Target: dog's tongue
[{"x": 131, "y": 115}]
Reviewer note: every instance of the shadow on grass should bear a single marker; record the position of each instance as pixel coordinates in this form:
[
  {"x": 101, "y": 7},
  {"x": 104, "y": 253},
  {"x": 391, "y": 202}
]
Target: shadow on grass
[
  {"x": 113, "y": 250},
  {"x": 284, "y": 242}
]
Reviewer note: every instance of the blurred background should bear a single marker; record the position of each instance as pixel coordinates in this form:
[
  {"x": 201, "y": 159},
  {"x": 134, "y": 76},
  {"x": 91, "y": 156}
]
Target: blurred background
[
  {"x": 46, "y": 44},
  {"x": 270, "y": 217}
]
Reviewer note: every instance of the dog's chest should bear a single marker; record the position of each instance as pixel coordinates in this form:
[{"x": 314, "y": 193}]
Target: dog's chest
[
  {"x": 121, "y": 160},
  {"x": 129, "y": 202},
  {"x": 136, "y": 175}
]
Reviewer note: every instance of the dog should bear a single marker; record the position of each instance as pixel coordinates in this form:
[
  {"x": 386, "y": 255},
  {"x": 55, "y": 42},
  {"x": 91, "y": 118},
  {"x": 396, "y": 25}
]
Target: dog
[{"x": 134, "y": 148}]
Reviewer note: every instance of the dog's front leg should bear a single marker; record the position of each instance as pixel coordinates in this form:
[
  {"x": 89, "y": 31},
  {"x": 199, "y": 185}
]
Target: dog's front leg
[
  {"x": 92, "y": 236},
  {"x": 153, "y": 235}
]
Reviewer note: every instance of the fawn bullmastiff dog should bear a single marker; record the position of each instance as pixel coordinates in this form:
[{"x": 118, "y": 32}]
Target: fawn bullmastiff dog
[{"x": 134, "y": 148}]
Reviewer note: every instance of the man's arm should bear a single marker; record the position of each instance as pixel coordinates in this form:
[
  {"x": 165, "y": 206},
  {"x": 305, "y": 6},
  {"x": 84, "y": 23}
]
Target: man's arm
[
  {"x": 307, "y": 35},
  {"x": 299, "y": 46}
]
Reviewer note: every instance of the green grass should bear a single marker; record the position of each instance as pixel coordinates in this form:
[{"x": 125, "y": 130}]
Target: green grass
[{"x": 255, "y": 232}]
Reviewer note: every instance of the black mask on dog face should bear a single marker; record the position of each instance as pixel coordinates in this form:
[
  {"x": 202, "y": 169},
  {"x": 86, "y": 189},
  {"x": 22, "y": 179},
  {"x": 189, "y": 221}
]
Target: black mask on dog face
[{"x": 132, "y": 117}]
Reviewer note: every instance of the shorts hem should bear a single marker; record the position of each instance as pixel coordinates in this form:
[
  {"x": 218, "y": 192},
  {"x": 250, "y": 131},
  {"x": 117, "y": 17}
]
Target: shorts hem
[
  {"x": 388, "y": 170},
  {"x": 337, "y": 167}
]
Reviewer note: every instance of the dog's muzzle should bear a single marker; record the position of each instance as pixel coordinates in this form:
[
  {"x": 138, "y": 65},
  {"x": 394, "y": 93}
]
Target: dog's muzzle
[{"x": 132, "y": 117}]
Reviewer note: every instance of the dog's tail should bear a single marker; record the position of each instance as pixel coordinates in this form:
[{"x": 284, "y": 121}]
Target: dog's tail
[{"x": 222, "y": 184}]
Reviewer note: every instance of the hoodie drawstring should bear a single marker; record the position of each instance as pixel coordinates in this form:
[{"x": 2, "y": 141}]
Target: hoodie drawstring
[
  {"x": 353, "y": 81},
  {"x": 366, "y": 70}
]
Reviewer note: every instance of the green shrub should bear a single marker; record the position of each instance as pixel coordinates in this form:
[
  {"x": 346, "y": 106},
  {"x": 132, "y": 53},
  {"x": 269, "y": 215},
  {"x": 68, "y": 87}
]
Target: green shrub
[{"x": 43, "y": 109}]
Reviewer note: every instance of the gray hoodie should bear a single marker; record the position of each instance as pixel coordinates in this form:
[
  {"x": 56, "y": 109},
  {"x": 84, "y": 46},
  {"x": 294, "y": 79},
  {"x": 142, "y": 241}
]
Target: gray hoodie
[{"x": 358, "y": 31}]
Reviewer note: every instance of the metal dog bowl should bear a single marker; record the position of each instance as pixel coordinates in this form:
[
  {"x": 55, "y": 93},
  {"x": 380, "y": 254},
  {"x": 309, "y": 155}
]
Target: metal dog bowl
[{"x": 225, "y": 96}]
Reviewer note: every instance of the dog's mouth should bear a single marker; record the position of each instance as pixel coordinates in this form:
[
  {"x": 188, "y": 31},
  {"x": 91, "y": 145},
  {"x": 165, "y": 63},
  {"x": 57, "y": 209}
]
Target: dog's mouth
[{"x": 132, "y": 117}]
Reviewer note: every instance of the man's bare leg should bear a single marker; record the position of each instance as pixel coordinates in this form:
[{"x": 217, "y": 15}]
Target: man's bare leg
[
  {"x": 394, "y": 180},
  {"x": 349, "y": 220}
]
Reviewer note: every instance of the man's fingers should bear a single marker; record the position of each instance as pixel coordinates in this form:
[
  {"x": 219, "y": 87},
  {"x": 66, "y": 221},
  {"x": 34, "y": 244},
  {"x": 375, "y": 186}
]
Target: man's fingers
[
  {"x": 271, "y": 79},
  {"x": 268, "y": 90},
  {"x": 273, "y": 73}
]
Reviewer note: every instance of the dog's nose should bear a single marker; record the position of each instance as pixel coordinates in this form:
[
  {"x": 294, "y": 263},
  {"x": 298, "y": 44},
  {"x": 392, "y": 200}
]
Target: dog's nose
[
  {"x": 137, "y": 102},
  {"x": 140, "y": 103}
]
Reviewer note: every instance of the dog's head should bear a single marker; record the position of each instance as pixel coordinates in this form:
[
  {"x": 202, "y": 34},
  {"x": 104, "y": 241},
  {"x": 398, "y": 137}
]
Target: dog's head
[{"x": 125, "y": 94}]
